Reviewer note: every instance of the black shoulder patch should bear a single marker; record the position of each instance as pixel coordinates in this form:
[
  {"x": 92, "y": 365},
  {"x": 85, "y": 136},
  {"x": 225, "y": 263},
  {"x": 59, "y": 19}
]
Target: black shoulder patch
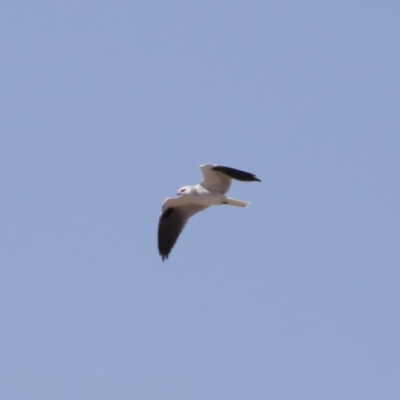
[{"x": 167, "y": 212}]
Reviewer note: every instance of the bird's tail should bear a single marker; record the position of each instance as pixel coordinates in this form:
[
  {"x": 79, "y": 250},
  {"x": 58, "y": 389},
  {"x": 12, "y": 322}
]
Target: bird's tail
[{"x": 237, "y": 203}]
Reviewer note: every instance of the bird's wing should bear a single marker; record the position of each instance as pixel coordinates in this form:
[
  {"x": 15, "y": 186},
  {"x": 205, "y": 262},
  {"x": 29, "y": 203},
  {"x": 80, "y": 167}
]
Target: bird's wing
[
  {"x": 175, "y": 213},
  {"x": 215, "y": 180},
  {"x": 217, "y": 177}
]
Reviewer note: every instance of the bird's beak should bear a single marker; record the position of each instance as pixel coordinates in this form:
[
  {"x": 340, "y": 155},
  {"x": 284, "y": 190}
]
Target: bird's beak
[{"x": 178, "y": 194}]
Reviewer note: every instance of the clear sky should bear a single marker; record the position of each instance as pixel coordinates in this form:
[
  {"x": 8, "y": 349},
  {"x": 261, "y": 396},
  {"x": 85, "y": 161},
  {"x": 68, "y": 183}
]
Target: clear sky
[{"x": 107, "y": 108}]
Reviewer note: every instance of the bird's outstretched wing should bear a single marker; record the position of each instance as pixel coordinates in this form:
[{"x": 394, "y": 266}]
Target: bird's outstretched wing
[
  {"x": 217, "y": 177},
  {"x": 175, "y": 214}
]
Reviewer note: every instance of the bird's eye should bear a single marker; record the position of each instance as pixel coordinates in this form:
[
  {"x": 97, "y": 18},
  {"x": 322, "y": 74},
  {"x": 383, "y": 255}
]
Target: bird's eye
[{"x": 183, "y": 190}]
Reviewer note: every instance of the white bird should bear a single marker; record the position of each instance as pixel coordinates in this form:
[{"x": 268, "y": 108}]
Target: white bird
[{"x": 192, "y": 199}]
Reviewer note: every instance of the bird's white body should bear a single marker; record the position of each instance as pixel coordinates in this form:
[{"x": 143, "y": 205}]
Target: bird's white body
[
  {"x": 199, "y": 195},
  {"x": 203, "y": 197}
]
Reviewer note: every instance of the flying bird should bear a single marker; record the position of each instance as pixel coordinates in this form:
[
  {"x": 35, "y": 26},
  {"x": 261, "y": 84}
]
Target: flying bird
[{"x": 192, "y": 199}]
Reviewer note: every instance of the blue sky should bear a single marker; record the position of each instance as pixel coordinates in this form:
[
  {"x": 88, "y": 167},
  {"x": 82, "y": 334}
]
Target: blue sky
[{"x": 109, "y": 107}]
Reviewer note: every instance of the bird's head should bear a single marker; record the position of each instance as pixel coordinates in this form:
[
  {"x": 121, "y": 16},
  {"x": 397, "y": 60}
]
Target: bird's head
[{"x": 184, "y": 191}]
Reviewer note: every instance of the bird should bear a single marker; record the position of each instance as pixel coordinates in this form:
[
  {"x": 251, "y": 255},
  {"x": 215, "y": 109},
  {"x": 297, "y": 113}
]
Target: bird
[{"x": 176, "y": 211}]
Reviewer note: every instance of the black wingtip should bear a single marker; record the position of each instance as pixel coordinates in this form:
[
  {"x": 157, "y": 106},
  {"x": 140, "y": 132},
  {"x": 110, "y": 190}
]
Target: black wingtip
[
  {"x": 236, "y": 174},
  {"x": 164, "y": 255},
  {"x": 163, "y": 249}
]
